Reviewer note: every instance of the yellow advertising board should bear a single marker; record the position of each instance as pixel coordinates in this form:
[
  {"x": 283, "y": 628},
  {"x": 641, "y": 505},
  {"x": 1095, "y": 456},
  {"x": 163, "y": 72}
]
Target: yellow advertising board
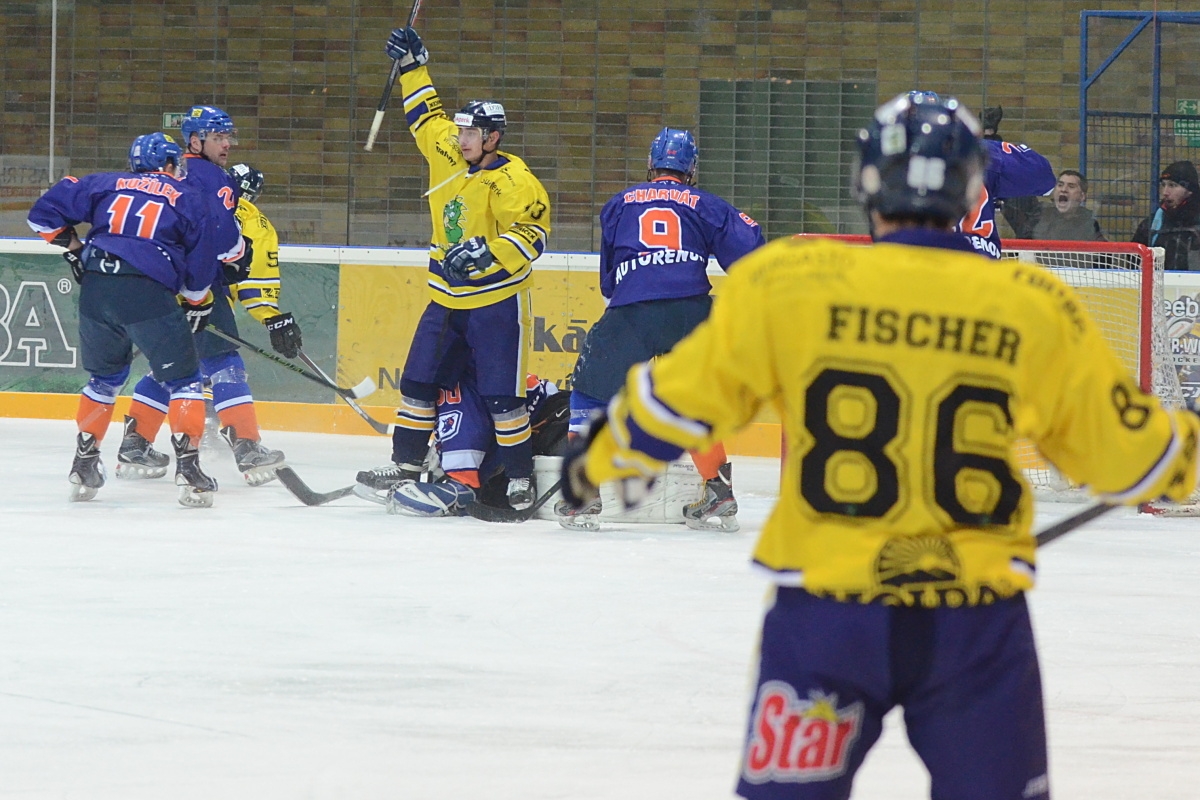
[{"x": 379, "y": 307}]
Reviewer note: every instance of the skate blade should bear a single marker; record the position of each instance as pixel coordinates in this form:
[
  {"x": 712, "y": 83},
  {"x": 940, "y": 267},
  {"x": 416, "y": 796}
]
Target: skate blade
[
  {"x": 588, "y": 523},
  {"x": 191, "y": 497},
  {"x": 726, "y": 524},
  {"x": 257, "y": 476},
  {"x": 139, "y": 471},
  {"x": 80, "y": 493}
]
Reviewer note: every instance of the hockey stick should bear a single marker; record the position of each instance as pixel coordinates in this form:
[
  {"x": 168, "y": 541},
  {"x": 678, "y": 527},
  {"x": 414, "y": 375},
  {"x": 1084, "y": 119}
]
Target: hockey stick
[
  {"x": 492, "y": 514},
  {"x": 1065, "y": 526},
  {"x": 379, "y": 427},
  {"x": 377, "y": 123},
  {"x": 364, "y": 388},
  {"x": 299, "y": 488}
]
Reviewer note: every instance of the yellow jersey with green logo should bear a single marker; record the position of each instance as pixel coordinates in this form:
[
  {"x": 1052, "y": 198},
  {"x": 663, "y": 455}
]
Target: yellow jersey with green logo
[
  {"x": 504, "y": 203},
  {"x": 903, "y": 375}
]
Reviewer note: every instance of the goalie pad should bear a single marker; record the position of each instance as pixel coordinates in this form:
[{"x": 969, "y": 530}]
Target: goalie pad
[{"x": 681, "y": 485}]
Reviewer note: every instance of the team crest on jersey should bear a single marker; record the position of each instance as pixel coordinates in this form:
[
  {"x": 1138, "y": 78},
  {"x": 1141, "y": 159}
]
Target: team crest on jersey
[
  {"x": 798, "y": 741},
  {"x": 449, "y": 423},
  {"x": 454, "y": 219}
]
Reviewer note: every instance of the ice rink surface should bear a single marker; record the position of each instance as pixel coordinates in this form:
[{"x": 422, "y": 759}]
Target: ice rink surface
[{"x": 263, "y": 649}]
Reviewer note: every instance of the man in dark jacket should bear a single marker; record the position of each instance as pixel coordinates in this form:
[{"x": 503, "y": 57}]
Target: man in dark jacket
[
  {"x": 1069, "y": 219},
  {"x": 1175, "y": 226}
]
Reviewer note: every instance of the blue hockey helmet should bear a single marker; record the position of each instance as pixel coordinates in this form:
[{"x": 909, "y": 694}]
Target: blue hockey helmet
[
  {"x": 152, "y": 152},
  {"x": 486, "y": 115},
  {"x": 920, "y": 159},
  {"x": 203, "y": 120},
  {"x": 248, "y": 179},
  {"x": 922, "y": 96},
  {"x": 675, "y": 150}
]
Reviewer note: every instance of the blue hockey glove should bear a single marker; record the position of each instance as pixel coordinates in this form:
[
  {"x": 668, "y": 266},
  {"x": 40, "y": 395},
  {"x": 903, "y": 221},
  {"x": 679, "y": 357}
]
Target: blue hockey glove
[
  {"x": 405, "y": 46},
  {"x": 578, "y": 491},
  {"x": 466, "y": 257}
]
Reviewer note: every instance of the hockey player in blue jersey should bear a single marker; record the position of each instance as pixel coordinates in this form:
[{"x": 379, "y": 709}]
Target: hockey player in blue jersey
[
  {"x": 208, "y": 134},
  {"x": 464, "y": 465},
  {"x": 150, "y": 240},
  {"x": 656, "y": 240},
  {"x": 1013, "y": 170}
]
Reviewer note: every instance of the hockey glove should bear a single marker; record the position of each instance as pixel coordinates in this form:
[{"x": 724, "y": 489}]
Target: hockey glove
[
  {"x": 405, "y": 46},
  {"x": 577, "y": 490},
  {"x": 285, "y": 334},
  {"x": 65, "y": 237},
  {"x": 466, "y": 257},
  {"x": 238, "y": 271},
  {"x": 197, "y": 314},
  {"x": 72, "y": 258}
]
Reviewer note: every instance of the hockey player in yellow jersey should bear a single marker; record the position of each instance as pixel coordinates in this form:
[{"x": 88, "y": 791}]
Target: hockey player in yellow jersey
[
  {"x": 900, "y": 547},
  {"x": 490, "y": 217},
  {"x": 258, "y": 290}
]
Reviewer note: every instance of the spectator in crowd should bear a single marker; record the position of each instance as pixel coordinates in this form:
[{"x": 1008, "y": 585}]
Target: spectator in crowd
[
  {"x": 1021, "y": 213},
  {"x": 1174, "y": 225},
  {"x": 1069, "y": 220}
]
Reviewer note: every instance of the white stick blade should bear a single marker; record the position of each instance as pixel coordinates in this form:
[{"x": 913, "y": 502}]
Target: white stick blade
[{"x": 364, "y": 388}]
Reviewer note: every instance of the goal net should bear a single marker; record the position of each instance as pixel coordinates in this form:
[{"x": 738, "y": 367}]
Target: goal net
[{"x": 1122, "y": 286}]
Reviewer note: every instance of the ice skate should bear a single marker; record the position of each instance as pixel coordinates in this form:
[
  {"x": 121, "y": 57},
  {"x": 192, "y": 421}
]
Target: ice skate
[
  {"x": 256, "y": 462},
  {"x": 446, "y": 498},
  {"x": 582, "y": 519},
  {"x": 87, "y": 471},
  {"x": 195, "y": 488},
  {"x": 137, "y": 457},
  {"x": 717, "y": 510},
  {"x": 377, "y": 484},
  {"x": 520, "y": 493}
]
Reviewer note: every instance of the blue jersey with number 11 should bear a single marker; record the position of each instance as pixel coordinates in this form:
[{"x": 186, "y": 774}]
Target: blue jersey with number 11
[
  {"x": 150, "y": 219},
  {"x": 657, "y": 237}
]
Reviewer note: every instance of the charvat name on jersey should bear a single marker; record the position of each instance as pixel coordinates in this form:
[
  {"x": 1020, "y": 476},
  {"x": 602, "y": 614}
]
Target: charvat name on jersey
[
  {"x": 683, "y": 196},
  {"x": 920, "y": 329},
  {"x": 150, "y": 186},
  {"x": 655, "y": 257}
]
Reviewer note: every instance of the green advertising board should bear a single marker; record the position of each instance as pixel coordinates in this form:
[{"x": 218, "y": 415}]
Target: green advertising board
[{"x": 39, "y": 328}]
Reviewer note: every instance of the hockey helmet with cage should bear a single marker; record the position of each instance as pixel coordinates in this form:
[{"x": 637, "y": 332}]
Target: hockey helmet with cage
[
  {"x": 486, "y": 115},
  {"x": 203, "y": 120},
  {"x": 152, "y": 152},
  {"x": 248, "y": 179},
  {"x": 674, "y": 149},
  {"x": 920, "y": 159}
]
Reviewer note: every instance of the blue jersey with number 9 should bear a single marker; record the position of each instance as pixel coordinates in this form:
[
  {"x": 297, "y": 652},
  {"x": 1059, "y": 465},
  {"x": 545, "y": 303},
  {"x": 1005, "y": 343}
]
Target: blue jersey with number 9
[{"x": 657, "y": 237}]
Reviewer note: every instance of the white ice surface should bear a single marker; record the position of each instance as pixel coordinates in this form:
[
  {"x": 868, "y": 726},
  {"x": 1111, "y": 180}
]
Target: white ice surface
[{"x": 263, "y": 649}]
